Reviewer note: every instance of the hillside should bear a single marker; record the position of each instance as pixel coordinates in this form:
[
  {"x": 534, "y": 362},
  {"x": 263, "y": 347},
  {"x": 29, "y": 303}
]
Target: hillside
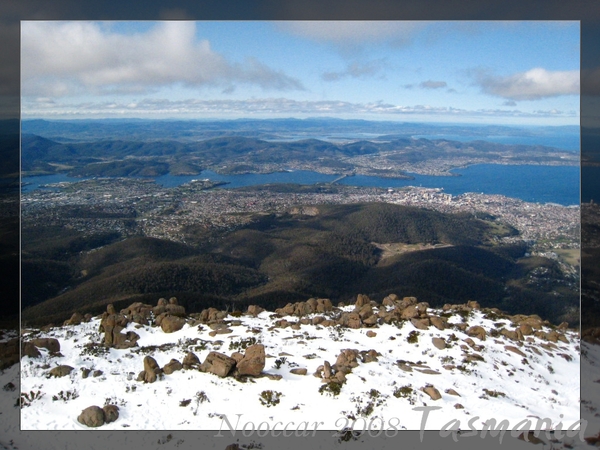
[
  {"x": 238, "y": 154},
  {"x": 333, "y": 252},
  {"x": 364, "y": 361}
]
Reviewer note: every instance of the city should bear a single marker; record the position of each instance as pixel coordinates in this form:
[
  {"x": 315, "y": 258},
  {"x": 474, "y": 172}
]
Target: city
[{"x": 141, "y": 207}]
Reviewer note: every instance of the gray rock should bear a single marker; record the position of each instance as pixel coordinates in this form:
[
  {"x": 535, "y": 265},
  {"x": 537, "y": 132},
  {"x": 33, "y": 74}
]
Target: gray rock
[
  {"x": 111, "y": 413},
  {"x": 253, "y": 362},
  {"x": 60, "y": 371},
  {"x": 218, "y": 364},
  {"x": 92, "y": 416},
  {"x": 51, "y": 344}
]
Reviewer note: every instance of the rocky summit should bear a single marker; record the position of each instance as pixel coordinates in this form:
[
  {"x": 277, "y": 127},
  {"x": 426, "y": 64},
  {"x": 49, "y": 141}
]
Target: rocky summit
[{"x": 158, "y": 367}]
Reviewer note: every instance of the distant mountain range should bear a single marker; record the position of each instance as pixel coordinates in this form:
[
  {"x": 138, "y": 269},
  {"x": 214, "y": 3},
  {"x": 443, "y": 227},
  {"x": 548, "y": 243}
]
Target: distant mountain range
[{"x": 236, "y": 154}]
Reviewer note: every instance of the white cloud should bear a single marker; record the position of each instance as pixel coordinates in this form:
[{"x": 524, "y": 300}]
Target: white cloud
[
  {"x": 533, "y": 84},
  {"x": 263, "y": 106},
  {"x": 357, "y": 69},
  {"x": 61, "y": 58},
  {"x": 430, "y": 84}
]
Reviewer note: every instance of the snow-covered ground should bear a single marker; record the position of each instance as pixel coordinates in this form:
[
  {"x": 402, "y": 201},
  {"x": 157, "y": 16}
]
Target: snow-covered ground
[{"x": 501, "y": 387}]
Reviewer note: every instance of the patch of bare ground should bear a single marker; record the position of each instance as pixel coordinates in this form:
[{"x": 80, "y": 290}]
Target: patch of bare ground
[{"x": 392, "y": 249}]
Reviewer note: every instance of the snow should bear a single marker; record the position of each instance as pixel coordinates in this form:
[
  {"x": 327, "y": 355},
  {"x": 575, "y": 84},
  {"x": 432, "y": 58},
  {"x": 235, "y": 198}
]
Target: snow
[
  {"x": 533, "y": 391},
  {"x": 546, "y": 387}
]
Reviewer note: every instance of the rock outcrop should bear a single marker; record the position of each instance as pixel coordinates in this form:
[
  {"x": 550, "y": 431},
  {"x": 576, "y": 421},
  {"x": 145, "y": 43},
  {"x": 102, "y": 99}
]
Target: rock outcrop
[{"x": 253, "y": 361}]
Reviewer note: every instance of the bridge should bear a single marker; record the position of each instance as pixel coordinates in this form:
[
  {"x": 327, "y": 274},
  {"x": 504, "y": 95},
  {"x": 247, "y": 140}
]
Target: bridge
[{"x": 339, "y": 179}]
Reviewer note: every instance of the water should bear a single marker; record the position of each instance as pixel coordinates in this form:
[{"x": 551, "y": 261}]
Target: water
[
  {"x": 543, "y": 184},
  {"x": 540, "y": 184}
]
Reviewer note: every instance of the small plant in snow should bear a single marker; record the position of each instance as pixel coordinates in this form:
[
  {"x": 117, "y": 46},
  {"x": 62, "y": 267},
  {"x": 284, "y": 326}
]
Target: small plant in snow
[
  {"x": 115, "y": 401},
  {"x": 280, "y": 361},
  {"x": 270, "y": 398},
  {"x": 27, "y": 398},
  {"x": 406, "y": 392},
  {"x": 243, "y": 344},
  {"x": 337, "y": 333},
  {"x": 413, "y": 337},
  {"x": 374, "y": 399},
  {"x": 65, "y": 396},
  {"x": 332, "y": 388},
  {"x": 200, "y": 398}
]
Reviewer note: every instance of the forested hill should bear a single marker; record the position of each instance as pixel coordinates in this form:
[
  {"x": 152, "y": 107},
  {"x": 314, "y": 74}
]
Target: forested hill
[
  {"x": 334, "y": 252},
  {"x": 144, "y": 157}
]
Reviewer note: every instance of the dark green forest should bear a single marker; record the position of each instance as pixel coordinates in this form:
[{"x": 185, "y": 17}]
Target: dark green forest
[{"x": 283, "y": 258}]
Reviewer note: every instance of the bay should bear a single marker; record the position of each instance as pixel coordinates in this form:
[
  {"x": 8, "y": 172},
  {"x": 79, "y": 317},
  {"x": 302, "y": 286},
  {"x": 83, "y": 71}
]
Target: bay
[{"x": 541, "y": 184}]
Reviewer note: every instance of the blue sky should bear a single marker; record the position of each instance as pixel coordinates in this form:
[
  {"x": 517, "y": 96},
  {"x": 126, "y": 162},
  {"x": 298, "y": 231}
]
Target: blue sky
[{"x": 471, "y": 72}]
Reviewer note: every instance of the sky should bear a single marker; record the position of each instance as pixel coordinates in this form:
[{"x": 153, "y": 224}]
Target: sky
[{"x": 472, "y": 72}]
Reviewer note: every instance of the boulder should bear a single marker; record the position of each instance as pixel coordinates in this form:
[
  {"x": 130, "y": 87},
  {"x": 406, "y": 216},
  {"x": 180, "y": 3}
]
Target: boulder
[
  {"x": 238, "y": 356},
  {"x": 437, "y": 322},
  {"x": 159, "y": 309},
  {"x": 327, "y": 372},
  {"x": 350, "y": 320},
  {"x": 362, "y": 300},
  {"x": 433, "y": 393},
  {"x": 477, "y": 331},
  {"x": 473, "y": 304},
  {"x": 410, "y": 312},
  {"x": 317, "y": 320},
  {"x": 420, "y": 324},
  {"x": 340, "y": 377},
  {"x": 348, "y": 358},
  {"x": 172, "y": 366},
  {"x": 312, "y": 304},
  {"x": 28, "y": 350},
  {"x": 327, "y": 305},
  {"x": 299, "y": 371},
  {"x": 369, "y": 356},
  {"x": 170, "y": 324},
  {"x": 390, "y": 300},
  {"x": 75, "y": 319},
  {"x": 526, "y": 329},
  {"x": 253, "y": 362},
  {"x": 255, "y": 310},
  {"x": 365, "y": 311},
  {"x": 438, "y": 343},
  {"x": 111, "y": 413},
  {"x": 122, "y": 341},
  {"x": 510, "y": 334},
  {"x": 175, "y": 310},
  {"x": 319, "y": 372},
  {"x": 92, "y": 416},
  {"x": 60, "y": 371},
  {"x": 514, "y": 350},
  {"x": 111, "y": 325},
  {"x": 151, "y": 369},
  {"x": 218, "y": 364}
]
